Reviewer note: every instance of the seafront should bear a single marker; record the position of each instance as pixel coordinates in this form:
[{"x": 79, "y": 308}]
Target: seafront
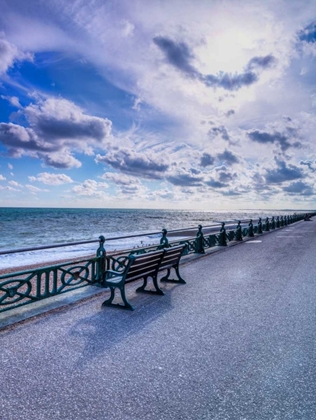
[{"x": 236, "y": 342}]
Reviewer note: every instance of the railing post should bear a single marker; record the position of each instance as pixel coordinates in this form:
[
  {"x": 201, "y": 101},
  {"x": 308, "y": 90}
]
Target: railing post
[
  {"x": 272, "y": 223},
  {"x": 101, "y": 254},
  {"x": 238, "y": 233},
  {"x": 277, "y": 222},
  {"x": 222, "y": 237},
  {"x": 267, "y": 225},
  {"x": 199, "y": 241},
  {"x": 164, "y": 243},
  {"x": 250, "y": 229},
  {"x": 259, "y": 225}
]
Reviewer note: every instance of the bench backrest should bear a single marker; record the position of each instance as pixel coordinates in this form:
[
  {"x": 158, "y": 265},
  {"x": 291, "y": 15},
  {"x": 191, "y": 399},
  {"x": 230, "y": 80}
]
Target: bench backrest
[
  {"x": 143, "y": 265},
  {"x": 171, "y": 256}
]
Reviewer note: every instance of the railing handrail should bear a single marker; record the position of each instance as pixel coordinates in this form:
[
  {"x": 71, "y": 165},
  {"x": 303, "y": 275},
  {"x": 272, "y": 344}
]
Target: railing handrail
[{"x": 39, "y": 248}]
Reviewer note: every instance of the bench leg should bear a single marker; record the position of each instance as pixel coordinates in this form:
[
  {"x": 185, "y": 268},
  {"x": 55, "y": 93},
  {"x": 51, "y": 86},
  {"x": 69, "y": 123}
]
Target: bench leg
[
  {"x": 157, "y": 290},
  {"x": 109, "y": 301},
  {"x": 178, "y": 280}
]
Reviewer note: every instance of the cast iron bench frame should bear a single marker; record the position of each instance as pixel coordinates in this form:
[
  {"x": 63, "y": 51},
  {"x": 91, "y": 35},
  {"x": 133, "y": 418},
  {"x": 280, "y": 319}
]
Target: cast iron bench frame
[{"x": 136, "y": 267}]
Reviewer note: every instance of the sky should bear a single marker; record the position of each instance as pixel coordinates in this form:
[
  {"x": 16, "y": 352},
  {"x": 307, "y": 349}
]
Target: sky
[{"x": 180, "y": 104}]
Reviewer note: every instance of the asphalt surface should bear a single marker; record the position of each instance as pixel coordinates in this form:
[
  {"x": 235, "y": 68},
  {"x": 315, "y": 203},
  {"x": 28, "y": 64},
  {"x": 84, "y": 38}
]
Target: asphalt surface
[{"x": 238, "y": 341}]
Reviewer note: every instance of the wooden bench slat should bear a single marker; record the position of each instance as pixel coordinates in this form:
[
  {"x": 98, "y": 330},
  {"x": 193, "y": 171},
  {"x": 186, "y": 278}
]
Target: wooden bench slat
[{"x": 142, "y": 267}]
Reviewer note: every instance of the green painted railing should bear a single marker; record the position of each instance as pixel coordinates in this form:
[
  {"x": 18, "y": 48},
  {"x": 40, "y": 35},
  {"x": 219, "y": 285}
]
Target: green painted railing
[
  {"x": 24, "y": 287},
  {"x": 201, "y": 242}
]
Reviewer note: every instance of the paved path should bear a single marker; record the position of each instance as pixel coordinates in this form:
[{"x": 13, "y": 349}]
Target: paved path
[{"x": 236, "y": 342}]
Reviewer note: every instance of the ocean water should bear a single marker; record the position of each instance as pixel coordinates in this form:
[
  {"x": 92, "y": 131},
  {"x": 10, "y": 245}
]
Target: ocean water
[{"x": 22, "y": 228}]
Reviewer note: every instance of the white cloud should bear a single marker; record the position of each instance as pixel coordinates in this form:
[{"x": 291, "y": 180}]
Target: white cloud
[
  {"x": 120, "y": 179},
  {"x": 9, "y": 54},
  {"x": 15, "y": 184},
  {"x": 34, "y": 190},
  {"x": 13, "y": 100},
  {"x": 90, "y": 188},
  {"x": 57, "y": 129},
  {"x": 51, "y": 179},
  {"x": 60, "y": 160}
]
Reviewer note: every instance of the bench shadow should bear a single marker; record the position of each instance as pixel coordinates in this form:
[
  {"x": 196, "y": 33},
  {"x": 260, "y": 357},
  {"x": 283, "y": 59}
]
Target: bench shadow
[{"x": 111, "y": 326}]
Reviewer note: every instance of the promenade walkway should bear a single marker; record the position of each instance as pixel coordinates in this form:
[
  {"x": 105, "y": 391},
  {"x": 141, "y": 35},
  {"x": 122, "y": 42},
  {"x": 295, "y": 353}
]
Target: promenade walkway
[{"x": 237, "y": 342}]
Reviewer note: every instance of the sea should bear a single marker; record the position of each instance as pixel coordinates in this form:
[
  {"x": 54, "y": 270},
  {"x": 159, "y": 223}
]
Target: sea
[{"x": 23, "y": 229}]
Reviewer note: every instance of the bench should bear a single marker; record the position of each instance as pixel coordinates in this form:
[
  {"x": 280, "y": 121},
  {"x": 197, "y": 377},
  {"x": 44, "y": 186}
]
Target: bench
[
  {"x": 171, "y": 259},
  {"x": 143, "y": 266}
]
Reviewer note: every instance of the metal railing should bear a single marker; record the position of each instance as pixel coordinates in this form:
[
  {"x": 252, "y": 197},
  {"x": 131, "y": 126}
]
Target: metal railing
[{"x": 37, "y": 283}]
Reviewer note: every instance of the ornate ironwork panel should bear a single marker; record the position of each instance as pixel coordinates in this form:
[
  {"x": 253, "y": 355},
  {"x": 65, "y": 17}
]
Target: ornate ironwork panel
[{"x": 21, "y": 288}]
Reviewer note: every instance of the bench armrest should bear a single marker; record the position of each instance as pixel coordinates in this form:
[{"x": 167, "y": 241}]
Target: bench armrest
[{"x": 111, "y": 273}]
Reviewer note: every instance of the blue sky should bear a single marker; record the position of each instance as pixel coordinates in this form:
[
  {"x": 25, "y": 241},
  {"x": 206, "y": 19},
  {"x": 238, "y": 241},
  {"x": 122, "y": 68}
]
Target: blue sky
[{"x": 191, "y": 104}]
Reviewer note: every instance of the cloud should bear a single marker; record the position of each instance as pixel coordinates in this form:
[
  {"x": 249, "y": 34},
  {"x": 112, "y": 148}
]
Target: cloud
[
  {"x": 226, "y": 177},
  {"x": 14, "y": 101},
  {"x": 34, "y": 190},
  {"x": 185, "y": 179},
  {"x": 120, "y": 179},
  {"x": 2, "y": 178},
  {"x": 284, "y": 140},
  {"x": 51, "y": 179},
  {"x": 229, "y": 113},
  {"x": 183, "y": 172},
  {"x": 177, "y": 54},
  {"x": 283, "y": 173},
  {"x": 259, "y": 182},
  {"x": 117, "y": 178},
  {"x": 146, "y": 165},
  {"x": 261, "y": 62},
  {"x": 228, "y": 157},
  {"x": 7, "y": 188},
  {"x": 221, "y": 131},
  {"x": 57, "y": 129},
  {"x": 308, "y": 34},
  {"x": 180, "y": 56},
  {"x": 15, "y": 184},
  {"x": 299, "y": 188},
  {"x": 310, "y": 164},
  {"x": 90, "y": 188},
  {"x": 18, "y": 139},
  {"x": 60, "y": 160},
  {"x": 60, "y": 120},
  {"x": 229, "y": 81},
  {"x": 126, "y": 185},
  {"x": 206, "y": 160},
  {"x": 215, "y": 184},
  {"x": 221, "y": 178},
  {"x": 132, "y": 189},
  {"x": 265, "y": 137},
  {"x": 9, "y": 54}
]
